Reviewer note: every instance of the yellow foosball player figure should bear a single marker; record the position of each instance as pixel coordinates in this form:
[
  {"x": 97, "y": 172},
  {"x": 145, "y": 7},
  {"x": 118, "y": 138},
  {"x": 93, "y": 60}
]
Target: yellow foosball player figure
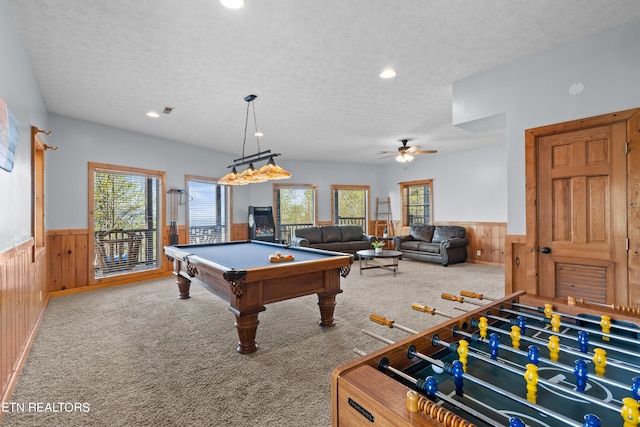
[
  {"x": 600, "y": 361},
  {"x": 531, "y": 377},
  {"x": 515, "y": 337},
  {"x": 605, "y": 324},
  {"x": 463, "y": 352},
  {"x": 483, "y": 324},
  {"x": 554, "y": 347},
  {"x": 630, "y": 412},
  {"x": 555, "y": 322}
]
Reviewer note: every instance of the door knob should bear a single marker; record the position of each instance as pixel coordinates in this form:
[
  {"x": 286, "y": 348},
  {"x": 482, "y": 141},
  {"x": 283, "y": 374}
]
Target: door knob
[{"x": 545, "y": 250}]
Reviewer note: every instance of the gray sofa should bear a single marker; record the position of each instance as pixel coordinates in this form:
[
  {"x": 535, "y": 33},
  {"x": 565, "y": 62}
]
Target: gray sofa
[
  {"x": 338, "y": 238},
  {"x": 444, "y": 244}
]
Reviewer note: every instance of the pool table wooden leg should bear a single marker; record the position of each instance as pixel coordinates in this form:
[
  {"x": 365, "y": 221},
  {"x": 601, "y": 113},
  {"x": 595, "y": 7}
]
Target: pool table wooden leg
[
  {"x": 247, "y": 326},
  {"x": 326, "y": 303},
  {"x": 184, "y": 285}
]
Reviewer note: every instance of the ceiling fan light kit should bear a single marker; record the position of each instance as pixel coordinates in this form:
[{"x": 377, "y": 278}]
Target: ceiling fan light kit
[
  {"x": 251, "y": 175},
  {"x": 404, "y": 157},
  {"x": 232, "y": 4},
  {"x": 406, "y": 153}
]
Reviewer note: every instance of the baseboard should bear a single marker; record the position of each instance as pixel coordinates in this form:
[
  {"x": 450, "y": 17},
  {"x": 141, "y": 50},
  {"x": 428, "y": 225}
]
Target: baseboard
[
  {"x": 497, "y": 264},
  {"x": 72, "y": 291}
]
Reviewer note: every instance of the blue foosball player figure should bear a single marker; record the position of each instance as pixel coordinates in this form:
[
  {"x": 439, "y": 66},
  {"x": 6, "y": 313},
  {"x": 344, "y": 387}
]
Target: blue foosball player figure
[{"x": 582, "y": 375}]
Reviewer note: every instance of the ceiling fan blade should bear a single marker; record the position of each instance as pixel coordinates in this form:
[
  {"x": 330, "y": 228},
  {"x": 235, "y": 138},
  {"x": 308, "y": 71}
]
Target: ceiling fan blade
[
  {"x": 412, "y": 149},
  {"x": 386, "y": 157},
  {"x": 425, "y": 152},
  {"x": 386, "y": 152}
]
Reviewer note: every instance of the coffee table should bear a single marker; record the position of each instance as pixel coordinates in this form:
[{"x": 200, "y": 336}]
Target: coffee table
[{"x": 388, "y": 259}]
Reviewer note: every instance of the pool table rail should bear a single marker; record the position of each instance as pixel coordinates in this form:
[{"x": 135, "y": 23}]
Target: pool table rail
[{"x": 248, "y": 290}]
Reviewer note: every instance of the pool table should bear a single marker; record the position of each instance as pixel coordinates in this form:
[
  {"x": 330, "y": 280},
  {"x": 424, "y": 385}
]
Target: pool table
[{"x": 242, "y": 273}]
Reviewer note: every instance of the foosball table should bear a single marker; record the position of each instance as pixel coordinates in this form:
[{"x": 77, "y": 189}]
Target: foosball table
[{"x": 514, "y": 361}]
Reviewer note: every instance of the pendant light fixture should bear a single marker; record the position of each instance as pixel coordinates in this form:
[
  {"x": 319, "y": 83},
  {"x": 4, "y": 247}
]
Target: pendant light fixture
[{"x": 251, "y": 175}]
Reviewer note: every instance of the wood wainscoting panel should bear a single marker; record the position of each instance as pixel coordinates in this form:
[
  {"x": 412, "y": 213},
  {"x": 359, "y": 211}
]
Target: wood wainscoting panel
[
  {"x": 68, "y": 264},
  {"x": 515, "y": 271},
  {"x": 633, "y": 213},
  {"x": 239, "y": 231},
  {"x": 22, "y": 299},
  {"x": 486, "y": 237}
]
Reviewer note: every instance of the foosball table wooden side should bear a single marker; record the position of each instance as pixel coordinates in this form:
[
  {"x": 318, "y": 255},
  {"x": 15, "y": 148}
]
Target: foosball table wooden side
[{"x": 362, "y": 395}]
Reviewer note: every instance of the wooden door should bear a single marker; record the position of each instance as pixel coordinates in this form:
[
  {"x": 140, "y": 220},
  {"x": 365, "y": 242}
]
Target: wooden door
[{"x": 582, "y": 217}]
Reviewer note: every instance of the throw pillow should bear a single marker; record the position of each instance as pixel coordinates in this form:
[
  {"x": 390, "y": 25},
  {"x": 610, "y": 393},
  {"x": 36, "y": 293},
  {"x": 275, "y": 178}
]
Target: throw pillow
[{"x": 423, "y": 232}]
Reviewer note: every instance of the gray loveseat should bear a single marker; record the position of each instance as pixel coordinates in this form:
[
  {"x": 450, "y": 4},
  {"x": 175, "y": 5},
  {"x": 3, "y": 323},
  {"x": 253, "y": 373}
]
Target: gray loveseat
[
  {"x": 444, "y": 244},
  {"x": 337, "y": 238}
]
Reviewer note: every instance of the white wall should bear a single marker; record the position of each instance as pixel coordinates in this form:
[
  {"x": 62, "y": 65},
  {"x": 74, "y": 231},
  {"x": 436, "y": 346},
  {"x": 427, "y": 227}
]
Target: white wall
[
  {"x": 80, "y": 142},
  {"x": 324, "y": 175},
  {"x": 20, "y": 91},
  {"x": 467, "y": 186},
  {"x": 534, "y": 92}
]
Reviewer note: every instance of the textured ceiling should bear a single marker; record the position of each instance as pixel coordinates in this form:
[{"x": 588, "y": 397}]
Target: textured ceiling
[{"x": 313, "y": 64}]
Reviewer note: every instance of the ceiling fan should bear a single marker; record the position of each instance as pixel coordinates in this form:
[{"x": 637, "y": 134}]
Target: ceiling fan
[{"x": 405, "y": 153}]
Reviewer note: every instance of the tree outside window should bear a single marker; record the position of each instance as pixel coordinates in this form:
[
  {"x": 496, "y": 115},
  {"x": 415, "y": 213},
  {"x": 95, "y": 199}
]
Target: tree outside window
[
  {"x": 417, "y": 202},
  {"x": 296, "y": 207},
  {"x": 125, "y": 219},
  {"x": 349, "y": 205}
]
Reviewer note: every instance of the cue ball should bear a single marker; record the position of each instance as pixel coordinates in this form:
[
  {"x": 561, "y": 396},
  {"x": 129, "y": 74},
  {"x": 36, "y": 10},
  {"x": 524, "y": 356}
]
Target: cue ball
[
  {"x": 278, "y": 254},
  {"x": 437, "y": 369}
]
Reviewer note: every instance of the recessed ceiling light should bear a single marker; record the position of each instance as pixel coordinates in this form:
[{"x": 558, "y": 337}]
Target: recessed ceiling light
[
  {"x": 153, "y": 114},
  {"x": 388, "y": 73},
  {"x": 232, "y": 4},
  {"x": 259, "y": 134}
]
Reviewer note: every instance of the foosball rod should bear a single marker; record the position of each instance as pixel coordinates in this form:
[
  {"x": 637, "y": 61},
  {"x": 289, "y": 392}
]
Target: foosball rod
[
  {"x": 426, "y": 309},
  {"x": 582, "y": 319},
  {"x": 502, "y": 392},
  {"x": 573, "y": 326},
  {"x": 470, "y": 294},
  {"x": 456, "y": 331},
  {"x": 418, "y": 385},
  {"x": 391, "y": 324},
  {"x": 542, "y": 310},
  {"x": 461, "y": 300},
  {"x": 472, "y": 379},
  {"x": 571, "y": 301},
  {"x": 569, "y": 350},
  {"x": 476, "y": 338},
  {"x": 564, "y": 335},
  {"x": 547, "y": 383},
  {"x": 378, "y": 337},
  {"x": 381, "y": 320}
]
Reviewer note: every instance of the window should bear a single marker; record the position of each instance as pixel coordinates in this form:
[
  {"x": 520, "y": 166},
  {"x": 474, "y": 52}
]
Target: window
[
  {"x": 125, "y": 219},
  {"x": 417, "y": 202},
  {"x": 296, "y": 207},
  {"x": 207, "y": 210},
  {"x": 349, "y": 205}
]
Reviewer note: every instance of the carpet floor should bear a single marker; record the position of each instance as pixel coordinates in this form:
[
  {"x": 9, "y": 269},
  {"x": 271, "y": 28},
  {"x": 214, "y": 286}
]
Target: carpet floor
[{"x": 136, "y": 355}]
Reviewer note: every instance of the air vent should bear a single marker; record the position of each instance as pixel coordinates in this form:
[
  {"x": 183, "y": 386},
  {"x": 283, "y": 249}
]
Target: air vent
[{"x": 167, "y": 110}]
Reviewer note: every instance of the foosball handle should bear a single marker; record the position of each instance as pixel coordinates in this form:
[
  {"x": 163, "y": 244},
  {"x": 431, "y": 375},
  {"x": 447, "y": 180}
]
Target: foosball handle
[
  {"x": 423, "y": 308},
  {"x": 381, "y": 320},
  {"x": 470, "y": 294},
  {"x": 412, "y": 401},
  {"x": 452, "y": 297}
]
